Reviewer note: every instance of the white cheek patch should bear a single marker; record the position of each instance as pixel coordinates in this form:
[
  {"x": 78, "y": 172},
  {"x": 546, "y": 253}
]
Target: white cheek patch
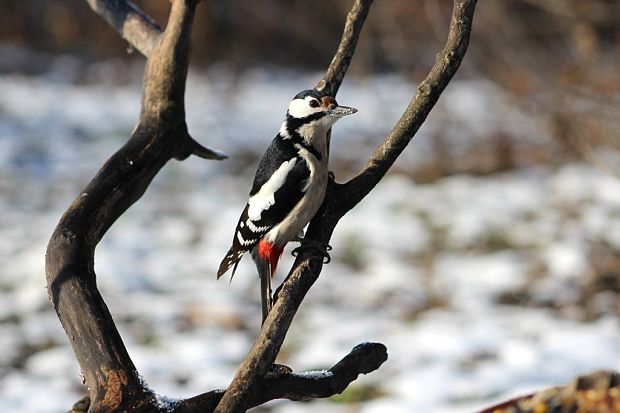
[
  {"x": 300, "y": 108},
  {"x": 265, "y": 197}
]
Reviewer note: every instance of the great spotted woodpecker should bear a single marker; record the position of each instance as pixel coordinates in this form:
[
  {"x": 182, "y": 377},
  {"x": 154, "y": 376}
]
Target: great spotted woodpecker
[{"x": 289, "y": 185}]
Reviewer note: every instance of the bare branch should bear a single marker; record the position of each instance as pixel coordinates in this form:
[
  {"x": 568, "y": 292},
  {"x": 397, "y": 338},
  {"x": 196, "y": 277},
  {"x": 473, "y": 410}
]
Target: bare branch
[
  {"x": 130, "y": 22},
  {"x": 363, "y": 359},
  {"x": 161, "y": 133},
  {"x": 446, "y": 65},
  {"x": 255, "y": 366},
  {"x": 253, "y": 369},
  {"x": 340, "y": 63},
  {"x": 341, "y": 198}
]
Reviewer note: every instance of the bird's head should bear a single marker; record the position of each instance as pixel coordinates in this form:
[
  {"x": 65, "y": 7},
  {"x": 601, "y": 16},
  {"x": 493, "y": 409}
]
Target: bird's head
[{"x": 316, "y": 106}]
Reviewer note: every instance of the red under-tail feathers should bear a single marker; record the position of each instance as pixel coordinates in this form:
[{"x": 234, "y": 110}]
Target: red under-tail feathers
[{"x": 270, "y": 253}]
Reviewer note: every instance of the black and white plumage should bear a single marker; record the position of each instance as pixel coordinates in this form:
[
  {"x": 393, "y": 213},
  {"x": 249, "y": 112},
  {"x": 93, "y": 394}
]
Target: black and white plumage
[{"x": 290, "y": 182}]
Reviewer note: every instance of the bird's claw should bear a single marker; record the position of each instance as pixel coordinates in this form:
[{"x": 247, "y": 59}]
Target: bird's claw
[{"x": 323, "y": 247}]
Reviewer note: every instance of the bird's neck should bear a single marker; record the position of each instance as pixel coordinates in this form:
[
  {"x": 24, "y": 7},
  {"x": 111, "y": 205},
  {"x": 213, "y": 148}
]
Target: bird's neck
[{"x": 309, "y": 134}]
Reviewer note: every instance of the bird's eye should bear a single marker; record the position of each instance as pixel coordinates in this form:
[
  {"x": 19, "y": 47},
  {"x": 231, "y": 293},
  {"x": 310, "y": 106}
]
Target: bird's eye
[{"x": 314, "y": 103}]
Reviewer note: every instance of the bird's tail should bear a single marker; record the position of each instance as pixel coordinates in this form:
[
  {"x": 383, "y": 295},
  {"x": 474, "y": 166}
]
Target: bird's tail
[
  {"x": 266, "y": 256},
  {"x": 231, "y": 259}
]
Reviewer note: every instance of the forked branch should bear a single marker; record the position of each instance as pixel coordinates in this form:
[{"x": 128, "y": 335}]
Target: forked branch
[
  {"x": 363, "y": 359},
  {"x": 161, "y": 134},
  {"x": 428, "y": 92},
  {"x": 341, "y": 198}
]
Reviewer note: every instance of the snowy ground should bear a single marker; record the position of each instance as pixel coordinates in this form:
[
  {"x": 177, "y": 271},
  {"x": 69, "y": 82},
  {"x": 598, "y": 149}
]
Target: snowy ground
[{"x": 481, "y": 287}]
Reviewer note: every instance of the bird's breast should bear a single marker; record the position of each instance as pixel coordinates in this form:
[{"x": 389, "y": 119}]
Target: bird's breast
[{"x": 314, "y": 192}]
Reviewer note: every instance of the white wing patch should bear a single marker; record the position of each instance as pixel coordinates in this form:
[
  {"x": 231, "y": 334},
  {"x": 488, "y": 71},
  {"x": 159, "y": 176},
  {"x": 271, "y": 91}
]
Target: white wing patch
[
  {"x": 254, "y": 228},
  {"x": 242, "y": 241},
  {"x": 264, "y": 198}
]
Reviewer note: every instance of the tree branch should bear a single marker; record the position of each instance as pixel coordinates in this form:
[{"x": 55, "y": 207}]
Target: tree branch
[
  {"x": 309, "y": 263},
  {"x": 254, "y": 367},
  {"x": 428, "y": 92},
  {"x": 342, "y": 59},
  {"x": 161, "y": 134},
  {"x": 130, "y": 22},
  {"x": 363, "y": 359}
]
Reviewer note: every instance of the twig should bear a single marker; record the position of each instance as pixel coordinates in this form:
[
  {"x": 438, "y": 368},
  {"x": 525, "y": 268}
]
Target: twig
[
  {"x": 130, "y": 22},
  {"x": 342, "y": 59},
  {"x": 446, "y": 65}
]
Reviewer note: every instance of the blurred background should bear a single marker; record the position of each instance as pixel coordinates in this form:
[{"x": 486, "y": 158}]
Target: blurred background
[{"x": 488, "y": 260}]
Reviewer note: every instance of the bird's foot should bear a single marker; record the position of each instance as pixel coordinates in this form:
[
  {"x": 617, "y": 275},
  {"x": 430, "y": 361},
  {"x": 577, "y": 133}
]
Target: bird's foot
[{"x": 321, "y": 246}]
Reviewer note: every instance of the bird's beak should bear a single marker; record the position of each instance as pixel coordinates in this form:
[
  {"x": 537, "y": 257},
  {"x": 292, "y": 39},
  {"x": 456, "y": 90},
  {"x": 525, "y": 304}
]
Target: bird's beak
[
  {"x": 340, "y": 111},
  {"x": 334, "y": 109}
]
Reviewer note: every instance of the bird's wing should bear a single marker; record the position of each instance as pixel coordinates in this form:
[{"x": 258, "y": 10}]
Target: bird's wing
[{"x": 278, "y": 186}]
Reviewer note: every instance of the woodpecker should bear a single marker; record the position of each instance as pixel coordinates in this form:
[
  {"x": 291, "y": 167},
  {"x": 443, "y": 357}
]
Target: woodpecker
[{"x": 289, "y": 185}]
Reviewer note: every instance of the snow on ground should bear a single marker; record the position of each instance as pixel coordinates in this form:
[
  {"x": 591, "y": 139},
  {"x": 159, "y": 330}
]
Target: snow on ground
[{"x": 474, "y": 283}]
